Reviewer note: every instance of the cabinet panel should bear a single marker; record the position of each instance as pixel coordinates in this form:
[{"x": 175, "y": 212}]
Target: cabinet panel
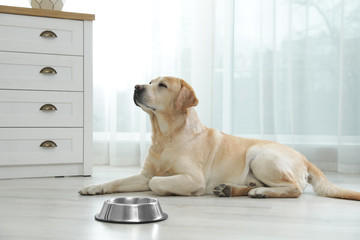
[
  {"x": 22, "y": 146},
  {"x": 40, "y": 72},
  {"x": 41, "y": 109},
  {"x": 48, "y": 170},
  {"x": 23, "y": 34}
]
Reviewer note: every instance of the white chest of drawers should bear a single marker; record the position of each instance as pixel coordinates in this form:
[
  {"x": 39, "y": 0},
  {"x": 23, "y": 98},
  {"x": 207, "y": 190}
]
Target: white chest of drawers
[{"x": 45, "y": 93}]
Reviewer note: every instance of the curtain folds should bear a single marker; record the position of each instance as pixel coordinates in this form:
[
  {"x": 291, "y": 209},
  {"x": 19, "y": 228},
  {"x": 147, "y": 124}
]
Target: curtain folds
[{"x": 284, "y": 70}]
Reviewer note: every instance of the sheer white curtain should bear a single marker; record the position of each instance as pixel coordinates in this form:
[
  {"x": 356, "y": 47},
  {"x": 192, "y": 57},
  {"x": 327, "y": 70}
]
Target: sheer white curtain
[
  {"x": 285, "y": 70},
  {"x": 291, "y": 75}
]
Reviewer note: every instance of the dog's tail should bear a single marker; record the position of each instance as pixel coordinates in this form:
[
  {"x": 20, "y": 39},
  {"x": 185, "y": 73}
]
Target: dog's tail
[{"x": 325, "y": 188}]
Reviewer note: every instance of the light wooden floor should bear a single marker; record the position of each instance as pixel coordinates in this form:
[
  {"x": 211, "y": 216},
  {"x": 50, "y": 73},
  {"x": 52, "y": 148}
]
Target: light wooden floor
[{"x": 50, "y": 208}]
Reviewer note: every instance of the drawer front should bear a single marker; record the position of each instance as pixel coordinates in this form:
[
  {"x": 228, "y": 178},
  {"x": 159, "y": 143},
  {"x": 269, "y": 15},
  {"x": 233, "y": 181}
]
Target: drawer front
[
  {"x": 40, "y": 72},
  {"x": 40, "y": 109},
  {"x": 25, "y": 146},
  {"x": 22, "y": 33}
]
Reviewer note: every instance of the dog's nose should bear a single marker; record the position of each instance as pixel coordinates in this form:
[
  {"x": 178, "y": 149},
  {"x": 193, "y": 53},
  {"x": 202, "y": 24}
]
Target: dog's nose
[{"x": 139, "y": 87}]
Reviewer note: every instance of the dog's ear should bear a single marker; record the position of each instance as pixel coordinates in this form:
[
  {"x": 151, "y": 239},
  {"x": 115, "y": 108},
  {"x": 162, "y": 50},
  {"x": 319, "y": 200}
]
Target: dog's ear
[{"x": 186, "y": 97}]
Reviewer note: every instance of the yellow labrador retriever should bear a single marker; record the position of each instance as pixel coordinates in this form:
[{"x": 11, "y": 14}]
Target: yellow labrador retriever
[{"x": 187, "y": 158}]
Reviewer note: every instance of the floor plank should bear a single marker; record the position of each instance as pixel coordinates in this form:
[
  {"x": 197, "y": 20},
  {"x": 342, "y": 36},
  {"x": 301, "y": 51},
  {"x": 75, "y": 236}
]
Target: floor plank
[{"x": 50, "y": 208}]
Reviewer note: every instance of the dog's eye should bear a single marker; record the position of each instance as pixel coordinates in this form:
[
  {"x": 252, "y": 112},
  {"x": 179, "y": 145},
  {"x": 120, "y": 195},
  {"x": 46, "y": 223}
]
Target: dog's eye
[{"x": 162, "y": 85}]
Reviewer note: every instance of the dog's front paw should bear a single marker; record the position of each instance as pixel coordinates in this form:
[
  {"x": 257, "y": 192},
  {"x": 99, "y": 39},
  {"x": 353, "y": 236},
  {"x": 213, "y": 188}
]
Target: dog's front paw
[
  {"x": 92, "y": 190},
  {"x": 222, "y": 190}
]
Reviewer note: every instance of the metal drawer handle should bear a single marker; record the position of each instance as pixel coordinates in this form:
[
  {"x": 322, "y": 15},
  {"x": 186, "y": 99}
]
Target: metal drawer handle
[
  {"x": 48, "y": 107},
  {"x": 48, "y": 70},
  {"x": 48, "y": 34},
  {"x": 48, "y": 144}
]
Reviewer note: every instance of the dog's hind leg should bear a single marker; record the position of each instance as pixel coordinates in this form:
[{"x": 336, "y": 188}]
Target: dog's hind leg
[
  {"x": 281, "y": 170},
  {"x": 280, "y": 184},
  {"x": 232, "y": 190}
]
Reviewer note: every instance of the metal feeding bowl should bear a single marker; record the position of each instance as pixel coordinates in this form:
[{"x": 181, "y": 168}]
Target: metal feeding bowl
[{"x": 131, "y": 210}]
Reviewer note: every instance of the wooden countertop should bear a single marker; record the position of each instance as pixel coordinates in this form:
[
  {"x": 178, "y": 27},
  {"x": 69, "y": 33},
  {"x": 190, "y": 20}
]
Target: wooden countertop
[{"x": 46, "y": 13}]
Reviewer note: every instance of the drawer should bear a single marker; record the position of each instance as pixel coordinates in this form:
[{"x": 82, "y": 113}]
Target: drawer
[
  {"x": 33, "y": 146},
  {"x": 22, "y": 33},
  {"x": 40, "y": 109},
  {"x": 40, "y": 72}
]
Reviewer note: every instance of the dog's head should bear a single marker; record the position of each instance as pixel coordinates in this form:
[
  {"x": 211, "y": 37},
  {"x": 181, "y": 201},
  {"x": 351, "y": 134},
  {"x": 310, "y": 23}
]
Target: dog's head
[{"x": 165, "y": 95}]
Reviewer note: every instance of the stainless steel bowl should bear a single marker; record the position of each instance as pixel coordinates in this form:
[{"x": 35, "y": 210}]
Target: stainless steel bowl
[{"x": 131, "y": 210}]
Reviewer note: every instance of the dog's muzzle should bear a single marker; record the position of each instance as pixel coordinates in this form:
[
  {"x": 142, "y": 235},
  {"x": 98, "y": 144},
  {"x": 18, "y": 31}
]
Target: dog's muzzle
[
  {"x": 138, "y": 92},
  {"x": 140, "y": 97}
]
